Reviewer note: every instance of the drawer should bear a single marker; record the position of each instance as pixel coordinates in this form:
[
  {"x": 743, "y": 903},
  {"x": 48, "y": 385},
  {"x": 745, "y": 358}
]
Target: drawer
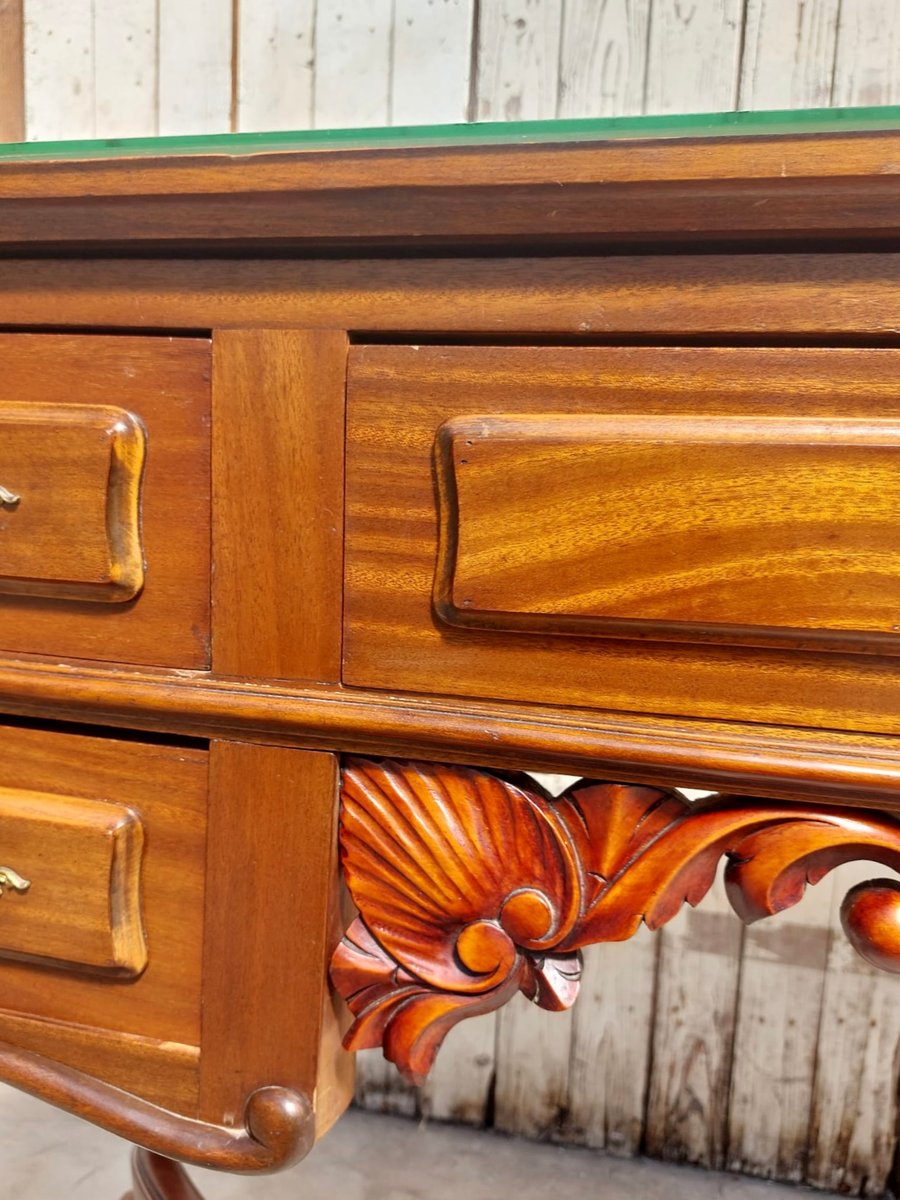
[
  {"x": 105, "y": 500},
  {"x": 688, "y": 530},
  {"x": 78, "y": 902},
  {"x": 102, "y": 864}
]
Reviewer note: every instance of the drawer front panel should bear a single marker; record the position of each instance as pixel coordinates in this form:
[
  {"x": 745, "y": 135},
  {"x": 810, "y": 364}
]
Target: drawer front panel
[
  {"x": 110, "y": 834},
  {"x": 105, "y": 508},
  {"x": 769, "y": 531},
  {"x": 70, "y": 528},
  {"x": 681, "y": 530},
  {"x": 70, "y": 876}
]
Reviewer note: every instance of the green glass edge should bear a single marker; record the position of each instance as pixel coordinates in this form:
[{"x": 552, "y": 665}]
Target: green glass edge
[{"x": 796, "y": 121}]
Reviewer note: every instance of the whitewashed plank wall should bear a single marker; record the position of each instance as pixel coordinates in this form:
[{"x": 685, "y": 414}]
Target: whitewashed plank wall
[{"x": 774, "y": 1051}]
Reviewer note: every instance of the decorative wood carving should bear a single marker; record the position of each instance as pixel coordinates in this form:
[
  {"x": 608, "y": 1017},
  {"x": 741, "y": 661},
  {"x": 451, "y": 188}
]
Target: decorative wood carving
[{"x": 472, "y": 886}]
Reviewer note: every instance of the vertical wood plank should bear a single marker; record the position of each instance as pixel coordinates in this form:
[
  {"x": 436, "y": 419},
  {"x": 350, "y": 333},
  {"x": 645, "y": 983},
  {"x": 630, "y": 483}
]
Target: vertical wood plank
[
  {"x": 276, "y": 59},
  {"x": 459, "y": 1086},
  {"x": 381, "y": 1088},
  {"x": 12, "y": 71},
  {"x": 532, "y": 1085},
  {"x": 693, "y": 1033},
  {"x": 125, "y": 91},
  {"x": 267, "y": 928},
  {"x": 59, "y": 69},
  {"x": 603, "y": 63},
  {"x": 853, "y": 1131},
  {"x": 277, "y": 432},
  {"x": 432, "y": 59},
  {"x": 693, "y": 56},
  {"x": 518, "y": 60},
  {"x": 867, "y": 66},
  {"x": 788, "y": 58},
  {"x": 353, "y": 64},
  {"x": 611, "y": 1045},
  {"x": 194, "y": 66},
  {"x": 782, "y": 982}
]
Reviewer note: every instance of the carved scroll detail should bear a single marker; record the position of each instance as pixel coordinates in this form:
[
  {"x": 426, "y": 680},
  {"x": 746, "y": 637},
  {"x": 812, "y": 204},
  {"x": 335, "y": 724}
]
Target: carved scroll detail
[{"x": 472, "y": 886}]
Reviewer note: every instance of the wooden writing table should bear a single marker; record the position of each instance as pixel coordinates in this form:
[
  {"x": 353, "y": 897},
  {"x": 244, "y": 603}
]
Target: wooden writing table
[{"x": 352, "y": 474}]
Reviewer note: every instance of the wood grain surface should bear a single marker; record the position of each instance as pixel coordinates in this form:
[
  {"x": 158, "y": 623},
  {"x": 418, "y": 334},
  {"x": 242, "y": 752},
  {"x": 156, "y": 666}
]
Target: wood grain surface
[
  {"x": 816, "y": 296},
  {"x": 790, "y": 763},
  {"x": 270, "y": 908},
  {"x": 278, "y": 458},
  {"x": 167, "y": 786},
  {"x": 81, "y": 861},
  {"x": 392, "y": 638},
  {"x": 164, "y": 384},
  {"x": 472, "y": 887},
  {"x": 663, "y": 527},
  {"x": 72, "y": 529},
  {"x": 680, "y": 192}
]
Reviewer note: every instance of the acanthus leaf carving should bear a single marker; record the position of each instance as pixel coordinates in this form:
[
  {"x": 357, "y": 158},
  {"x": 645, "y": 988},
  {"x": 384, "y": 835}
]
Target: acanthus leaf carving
[{"x": 472, "y": 886}]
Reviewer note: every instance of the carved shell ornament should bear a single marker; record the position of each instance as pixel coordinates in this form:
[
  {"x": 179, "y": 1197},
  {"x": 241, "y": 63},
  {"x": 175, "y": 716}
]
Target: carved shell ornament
[{"x": 472, "y": 886}]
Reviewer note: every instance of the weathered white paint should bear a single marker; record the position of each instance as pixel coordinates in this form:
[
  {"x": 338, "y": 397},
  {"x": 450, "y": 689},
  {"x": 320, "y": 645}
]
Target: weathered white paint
[
  {"x": 693, "y": 1032},
  {"x": 788, "y": 58},
  {"x": 275, "y": 61},
  {"x": 459, "y": 1086},
  {"x": 353, "y": 64},
  {"x": 610, "y": 1052},
  {"x": 431, "y": 61},
  {"x": 195, "y": 91},
  {"x": 532, "y": 1084},
  {"x": 854, "y": 1103},
  {"x": 380, "y": 1087},
  {"x": 603, "y": 61},
  {"x": 780, "y": 1003},
  {"x": 125, "y": 85},
  {"x": 867, "y": 67},
  {"x": 694, "y": 56},
  {"x": 518, "y": 60},
  {"x": 59, "y": 69}
]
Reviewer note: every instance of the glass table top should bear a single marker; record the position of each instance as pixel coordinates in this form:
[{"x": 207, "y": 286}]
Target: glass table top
[{"x": 698, "y": 125}]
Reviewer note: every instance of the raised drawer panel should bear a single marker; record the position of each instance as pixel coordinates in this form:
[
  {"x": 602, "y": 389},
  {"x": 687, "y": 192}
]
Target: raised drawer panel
[
  {"x": 70, "y": 879},
  {"x": 110, "y": 833},
  {"x": 766, "y": 531},
  {"x": 698, "y": 531},
  {"x": 105, "y": 507},
  {"x": 71, "y": 528}
]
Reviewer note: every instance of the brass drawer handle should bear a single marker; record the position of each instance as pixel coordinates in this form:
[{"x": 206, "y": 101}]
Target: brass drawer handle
[
  {"x": 12, "y": 879},
  {"x": 8, "y": 497}
]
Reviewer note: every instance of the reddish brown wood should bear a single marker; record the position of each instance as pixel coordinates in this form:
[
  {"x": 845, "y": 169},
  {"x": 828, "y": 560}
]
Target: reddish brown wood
[
  {"x": 662, "y": 528},
  {"x": 471, "y": 886},
  {"x": 271, "y": 882},
  {"x": 597, "y": 193},
  {"x": 278, "y": 433},
  {"x": 81, "y": 862},
  {"x": 636, "y": 552},
  {"x": 789, "y": 763},
  {"x": 73, "y": 537},
  {"x": 158, "y": 1178},
  {"x": 581, "y": 298},
  {"x": 82, "y": 1016},
  {"x": 12, "y": 71},
  {"x": 274, "y": 1128}
]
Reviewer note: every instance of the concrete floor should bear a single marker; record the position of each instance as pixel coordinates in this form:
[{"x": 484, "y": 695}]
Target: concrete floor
[{"x": 48, "y": 1155}]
